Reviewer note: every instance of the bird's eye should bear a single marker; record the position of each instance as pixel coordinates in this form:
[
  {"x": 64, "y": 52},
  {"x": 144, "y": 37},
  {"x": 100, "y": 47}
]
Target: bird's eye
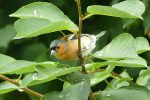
[{"x": 58, "y": 47}]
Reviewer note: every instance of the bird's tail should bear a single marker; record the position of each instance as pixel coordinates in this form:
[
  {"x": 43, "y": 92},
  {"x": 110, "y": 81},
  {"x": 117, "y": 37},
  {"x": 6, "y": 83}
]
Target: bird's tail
[{"x": 100, "y": 34}]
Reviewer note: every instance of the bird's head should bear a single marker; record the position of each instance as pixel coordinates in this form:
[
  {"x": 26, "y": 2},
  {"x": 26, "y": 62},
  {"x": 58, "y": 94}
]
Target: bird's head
[{"x": 58, "y": 47}]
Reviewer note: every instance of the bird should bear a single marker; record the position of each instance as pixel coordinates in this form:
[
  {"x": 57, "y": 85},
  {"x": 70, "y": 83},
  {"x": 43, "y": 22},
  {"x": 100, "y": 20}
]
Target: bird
[{"x": 66, "y": 48}]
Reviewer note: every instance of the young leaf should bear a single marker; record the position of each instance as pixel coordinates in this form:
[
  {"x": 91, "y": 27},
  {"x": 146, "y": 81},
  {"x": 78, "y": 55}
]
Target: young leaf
[
  {"x": 78, "y": 91},
  {"x": 7, "y": 87},
  {"x": 142, "y": 45},
  {"x": 125, "y": 9},
  {"x": 125, "y": 93},
  {"x": 40, "y": 18},
  {"x": 121, "y": 47},
  {"x": 131, "y": 62}
]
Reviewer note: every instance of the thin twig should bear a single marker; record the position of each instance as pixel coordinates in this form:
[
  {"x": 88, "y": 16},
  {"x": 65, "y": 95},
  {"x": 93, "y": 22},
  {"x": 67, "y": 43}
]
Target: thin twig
[
  {"x": 91, "y": 96},
  {"x": 27, "y": 90},
  {"x": 117, "y": 75},
  {"x": 62, "y": 33},
  {"x": 79, "y": 36},
  {"x": 87, "y": 16}
]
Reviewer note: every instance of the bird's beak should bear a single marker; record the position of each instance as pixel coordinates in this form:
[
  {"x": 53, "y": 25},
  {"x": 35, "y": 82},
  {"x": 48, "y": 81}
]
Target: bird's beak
[{"x": 53, "y": 52}]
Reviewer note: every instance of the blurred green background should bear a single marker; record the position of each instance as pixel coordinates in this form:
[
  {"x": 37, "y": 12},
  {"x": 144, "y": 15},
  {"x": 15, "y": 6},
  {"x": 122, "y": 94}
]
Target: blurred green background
[{"x": 37, "y": 48}]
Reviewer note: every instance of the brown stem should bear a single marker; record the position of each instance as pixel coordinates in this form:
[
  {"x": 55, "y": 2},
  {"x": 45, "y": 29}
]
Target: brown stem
[
  {"x": 117, "y": 75},
  {"x": 81, "y": 59},
  {"x": 27, "y": 90},
  {"x": 91, "y": 97}
]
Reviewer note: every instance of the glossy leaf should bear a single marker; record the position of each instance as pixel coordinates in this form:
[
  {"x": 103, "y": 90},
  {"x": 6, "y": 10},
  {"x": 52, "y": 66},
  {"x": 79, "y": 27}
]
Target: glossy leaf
[
  {"x": 22, "y": 66},
  {"x": 7, "y": 87},
  {"x": 45, "y": 74},
  {"x": 5, "y": 60},
  {"x": 18, "y": 67},
  {"x": 125, "y": 93},
  {"x": 142, "y": 45},
  {"x": 100, "y": 76},
  {"x": 121, "y": 47},
  {"x": 144, "y": 78},
  {"x": 45, "y": 18},
  {"x": 125, "y": 9},
  {"x": 131, "y": 62},
  {"x": 78, "y": 91}
]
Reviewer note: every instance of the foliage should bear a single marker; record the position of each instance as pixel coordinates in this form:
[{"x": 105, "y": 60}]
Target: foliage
[{"x": 118, "y": 69}]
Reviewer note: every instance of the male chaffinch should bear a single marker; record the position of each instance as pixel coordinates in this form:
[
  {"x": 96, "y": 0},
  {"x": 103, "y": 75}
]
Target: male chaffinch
[{"x": 66, "y": 48}]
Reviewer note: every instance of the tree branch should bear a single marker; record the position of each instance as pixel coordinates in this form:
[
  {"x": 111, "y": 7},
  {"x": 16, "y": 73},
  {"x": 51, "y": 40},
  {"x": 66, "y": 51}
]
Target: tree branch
[
  {"x": 91, "y": 97},
  {"x": 27, "y": 90},
  {"x": 81, "y": 59}
]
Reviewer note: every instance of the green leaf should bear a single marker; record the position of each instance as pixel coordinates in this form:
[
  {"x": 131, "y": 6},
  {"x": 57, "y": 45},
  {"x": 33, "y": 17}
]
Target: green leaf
[
  {"x": 144, "y": 78},
  {"x": 121, "y": 47},
  {"x": 7, "y": 87},
  {"x": 5, "y": 60},
  {"x": 133, "y": 7},
  {"x": 6, "y": 35},
  {"x": 75, "y": 77},
  {"x": 125, "y": 9},
  {"x": 131, "y": 62},
  {"x": 125, "y": 93},
  {"x": 18, "y": 67},
  {"x": 45, "y": 18},
  {"x": 78, "y": 91},
  {"x": 142, "y": 45},
  {"x": 117, "y": 82},
  {"x": 100, "y": 76},
  {"x": 52, "y": 96},
  {"x": 93, "y": 66},
  {"x": 45, "y": 74}
]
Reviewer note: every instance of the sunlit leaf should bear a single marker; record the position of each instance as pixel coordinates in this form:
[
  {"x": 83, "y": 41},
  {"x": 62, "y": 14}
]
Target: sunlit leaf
[
  {"x": 144, "y": 78},
  {"x": 121, "y": 47},
  {"x": 18, "y": 67},
  {"x": 7, "y": 87},
  {"x": 125, "y": 9},
  {"x": 45, "y": 18},
  {"x": 45, "y": 74},
  {"x": 5, "y": 60},
  {"x": 102, "y": 75},
  {"x": 142, "y": 45},
  {"x": 131, "y": 62}
]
